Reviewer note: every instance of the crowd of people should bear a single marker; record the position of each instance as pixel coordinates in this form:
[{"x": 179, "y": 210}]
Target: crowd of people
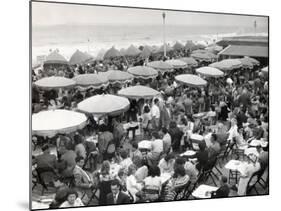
[{"x": 229, "y": 113}]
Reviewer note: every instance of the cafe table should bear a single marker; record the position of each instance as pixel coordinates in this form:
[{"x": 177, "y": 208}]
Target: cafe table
[
  {"x": 195, "y": 140},
  {"x": 131, "y": 126},
  {"x": 203, "y": 191},
  {"x": 235, "y": 167},
  {"x": 255, "y": 143}
]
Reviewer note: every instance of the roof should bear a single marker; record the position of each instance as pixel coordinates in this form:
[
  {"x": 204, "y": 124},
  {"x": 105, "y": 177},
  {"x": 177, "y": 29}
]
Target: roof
[
  {"x": 244, "y": 50},
  {"x": 244, "y": 40}
]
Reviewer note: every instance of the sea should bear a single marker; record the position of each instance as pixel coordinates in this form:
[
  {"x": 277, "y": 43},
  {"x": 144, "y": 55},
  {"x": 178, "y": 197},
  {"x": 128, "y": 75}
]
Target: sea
[{"x": 95, "y": 38}]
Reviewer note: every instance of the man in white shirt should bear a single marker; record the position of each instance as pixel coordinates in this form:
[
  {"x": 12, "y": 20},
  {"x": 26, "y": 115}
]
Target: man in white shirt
[
  {"x": 156, "y": 149},
  {"x": 167, "y": 140},
  {"x": 155, "y": 113}
]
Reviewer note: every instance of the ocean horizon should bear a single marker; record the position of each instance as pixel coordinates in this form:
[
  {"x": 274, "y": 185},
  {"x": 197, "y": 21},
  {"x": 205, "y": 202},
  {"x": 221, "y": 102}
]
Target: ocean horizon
[{"x": 93, "y": 38}]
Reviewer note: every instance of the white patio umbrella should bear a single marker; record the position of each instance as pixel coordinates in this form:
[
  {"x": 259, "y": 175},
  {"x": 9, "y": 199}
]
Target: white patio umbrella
[
  {"x": 55, "y": 82},
  {"x": 51, "y": 122},
  {"x": 137, "y": 92},
  {"x": 161, "y": 66},
  {"x": 176, "y": 63},
  {"x": 104, "y": 105},
  {"x": 143, "y": 72},
  {"x": 191, "y": 80},
  {"x": 209, "y": 72}
]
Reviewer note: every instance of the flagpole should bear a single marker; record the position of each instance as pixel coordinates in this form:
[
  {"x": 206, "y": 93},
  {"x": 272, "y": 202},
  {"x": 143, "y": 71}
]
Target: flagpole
[{"x": 164, "y": 33}]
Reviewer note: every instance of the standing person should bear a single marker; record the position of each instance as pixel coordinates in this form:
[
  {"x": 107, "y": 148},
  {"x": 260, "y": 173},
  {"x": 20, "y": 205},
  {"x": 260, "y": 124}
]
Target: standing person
[
  {"x": 165, "y": 115},
  {"x": 116, "y": 196},
  {"x": 167, "y": 140},
  {"x": 155, "y": 113},
  {"x": 118, "y": 132},
  {"x": 146, "y": 120},
  {"x": 176, "y": 135}
]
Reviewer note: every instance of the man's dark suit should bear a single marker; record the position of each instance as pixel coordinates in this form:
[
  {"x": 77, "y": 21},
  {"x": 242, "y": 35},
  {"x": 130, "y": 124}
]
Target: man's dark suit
[{"x": 123, "y": 198}]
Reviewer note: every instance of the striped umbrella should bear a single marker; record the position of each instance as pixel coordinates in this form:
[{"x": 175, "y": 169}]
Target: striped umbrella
[
  {"x": 146, "y": 51},
  {"x": 176, "y": 63},
  {"x": 191, "y": 80},
  {"x": 86, "y": 81},
  {"x": 143, "y": 72},
  {"x": 79, "y": 57},
  {"x": 227, "y": 64},
  {"x": 203, "y": 55},
  {"x": 117, "y": 76},
  {"x": 178, "y": 46},
  {"x": 132, "y": 51},
  {"x": 190, "y": 62},
  {"x": 55, "y": 82},
  {"x": 161, "y": 66}
]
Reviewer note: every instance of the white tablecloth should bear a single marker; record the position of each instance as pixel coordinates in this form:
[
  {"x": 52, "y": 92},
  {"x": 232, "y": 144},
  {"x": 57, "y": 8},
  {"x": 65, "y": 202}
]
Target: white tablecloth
[{"x": 201, "y": 191}]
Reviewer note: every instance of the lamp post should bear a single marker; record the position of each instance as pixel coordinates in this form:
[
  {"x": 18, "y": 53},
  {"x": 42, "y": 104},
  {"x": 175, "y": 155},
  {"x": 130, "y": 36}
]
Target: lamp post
[{"x": 164, "y": 34}]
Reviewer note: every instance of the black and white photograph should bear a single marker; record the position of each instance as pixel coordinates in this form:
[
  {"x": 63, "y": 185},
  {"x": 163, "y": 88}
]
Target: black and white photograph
[{"x": 135, "y": 105}]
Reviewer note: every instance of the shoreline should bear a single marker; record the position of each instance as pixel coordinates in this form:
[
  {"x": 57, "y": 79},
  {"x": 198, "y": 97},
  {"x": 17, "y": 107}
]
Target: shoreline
[{"x": 94, "y": 48}]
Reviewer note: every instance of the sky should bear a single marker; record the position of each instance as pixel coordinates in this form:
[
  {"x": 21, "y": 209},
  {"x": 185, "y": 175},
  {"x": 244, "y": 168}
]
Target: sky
[{"x": 44, "y": 13}]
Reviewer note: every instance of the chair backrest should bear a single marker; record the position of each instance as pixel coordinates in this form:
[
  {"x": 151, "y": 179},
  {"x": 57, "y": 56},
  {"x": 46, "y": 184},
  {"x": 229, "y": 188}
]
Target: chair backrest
[
  {"x": 252, "y": 181},
  {"x": 105, "y": 188},
  {"x": 41, "y": 171},
  {"x": 181, "y": 192}
]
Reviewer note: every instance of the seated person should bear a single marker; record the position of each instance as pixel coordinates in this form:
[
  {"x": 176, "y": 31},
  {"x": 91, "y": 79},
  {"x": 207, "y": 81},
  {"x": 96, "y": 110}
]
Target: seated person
[
  {"x": 125, "y": 160},
  {"x": 223, "y": 190},
  {"x": 246, "y": 172},
  {"x": 68, "y": 156},
  {"x": 191, "y": 171},
  {"x": 156, "y": 149},
  {"x": 152, "y": 184},
  {"x": 179, "y": 179},
  {"x": 46, "y": 163},
  {"x": 117, "y": 196},
  {"x": 166, "y": 164},
  {"x": 61, "y": 194},
  {"x": 202, "y": 156},
  {"x": 214, "y": 147},
  {"x": 105, "y": 171},
  {"x": 72, "y": 200},
  {"x": 83, "y": 181},
  {"x": 46, "y": 160},
  {"x": 136, "y": 156},
  {"x": 132, "y": 185}
]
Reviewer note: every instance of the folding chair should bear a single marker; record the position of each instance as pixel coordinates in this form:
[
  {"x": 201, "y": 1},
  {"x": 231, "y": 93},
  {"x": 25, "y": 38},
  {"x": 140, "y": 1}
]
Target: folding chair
[
  {"x": 256, "y": 179},
  {"x": 207, "y": 171},
  {"x": 182, "y": 192},
  {"x": 41, "y": 180},
  {"x": 194, "y": 185}
]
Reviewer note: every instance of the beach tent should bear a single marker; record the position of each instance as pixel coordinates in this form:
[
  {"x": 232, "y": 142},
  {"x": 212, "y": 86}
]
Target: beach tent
[
  {"x": 55, "y": 58},
  {"x": 161, "y": 49},
  {"x": 146, "y": 51},
  {"x": 111, "y": 53},
  {"x": 123, "y": 51},
  {"x": 100, "y": 54},
  {"x": 132, "y": 51},
  {"x": 178, "y": 46},
  {"x": 79, "y": 57},
  {"x": 189, "y": 45}
]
